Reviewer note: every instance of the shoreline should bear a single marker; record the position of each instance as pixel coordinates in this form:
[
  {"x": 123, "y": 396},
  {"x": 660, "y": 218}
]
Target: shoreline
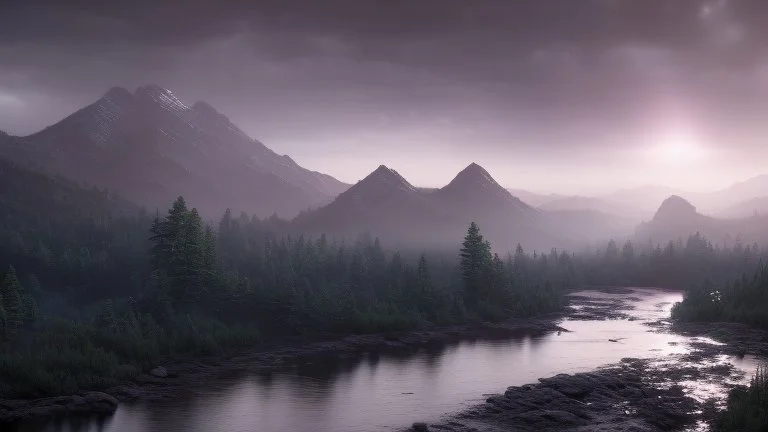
[{"x": 625, "y": 394}]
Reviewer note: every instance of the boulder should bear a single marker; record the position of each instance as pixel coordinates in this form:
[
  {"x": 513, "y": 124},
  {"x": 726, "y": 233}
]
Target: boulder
[
  {"x": 125, "y": 392},
  {"x": 100, "y": 403},
  {"x": 89, "y": 403},
  {"x": 159, "y": 372}
]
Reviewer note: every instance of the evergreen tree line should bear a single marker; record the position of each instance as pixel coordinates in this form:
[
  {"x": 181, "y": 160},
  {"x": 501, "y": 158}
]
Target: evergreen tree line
[
  {"x": 247, "y": 271},
  {"x": 744, "y": 300}
]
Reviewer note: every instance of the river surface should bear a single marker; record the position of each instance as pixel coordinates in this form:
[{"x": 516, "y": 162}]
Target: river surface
[{"x": 387, "y": 392}]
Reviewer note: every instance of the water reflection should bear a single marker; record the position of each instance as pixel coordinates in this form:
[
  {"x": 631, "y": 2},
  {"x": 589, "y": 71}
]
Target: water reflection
[{"x": 380, "y": 392}]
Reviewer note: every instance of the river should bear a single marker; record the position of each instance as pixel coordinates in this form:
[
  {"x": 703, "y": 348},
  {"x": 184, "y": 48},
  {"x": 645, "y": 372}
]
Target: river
[{"x": 386, "y": 392}]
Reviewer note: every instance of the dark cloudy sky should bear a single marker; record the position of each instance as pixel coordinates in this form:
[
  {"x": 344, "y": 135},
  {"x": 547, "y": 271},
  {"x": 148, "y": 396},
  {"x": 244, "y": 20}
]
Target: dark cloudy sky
[{"x": 550, "y": 95}]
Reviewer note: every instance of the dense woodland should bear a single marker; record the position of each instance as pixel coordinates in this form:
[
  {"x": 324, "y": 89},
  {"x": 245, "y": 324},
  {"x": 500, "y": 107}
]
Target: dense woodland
[
  {"x": 744, "y": 299},
  {"x": 95, "y": 290}
]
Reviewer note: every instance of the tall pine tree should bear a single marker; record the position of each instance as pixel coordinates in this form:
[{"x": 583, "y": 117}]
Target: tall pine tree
[{"x": 476, "y": 265}]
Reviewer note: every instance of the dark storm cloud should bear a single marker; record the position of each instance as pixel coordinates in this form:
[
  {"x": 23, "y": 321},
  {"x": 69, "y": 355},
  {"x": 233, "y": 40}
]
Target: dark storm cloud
[{"x": 370, "y": 77}]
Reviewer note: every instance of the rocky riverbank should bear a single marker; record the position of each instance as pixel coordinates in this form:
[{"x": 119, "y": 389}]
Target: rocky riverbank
[
  {"x": 185, "y": 375},
  {"x": 736, "y": 339},
  {"x": 94, "y": 403},
  {"x": 635, "y": 395},
  {"x": 677, "y": 392}
]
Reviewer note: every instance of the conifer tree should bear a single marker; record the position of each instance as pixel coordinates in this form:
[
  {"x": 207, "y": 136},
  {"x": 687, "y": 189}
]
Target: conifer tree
[
  {"x": 475, "y": 264},
  {"x": 17, "y": 305},
  {"x": 12, "y": 301},
  {"x": 424, "y": 285},
  {"x": 3, "y": 320}
]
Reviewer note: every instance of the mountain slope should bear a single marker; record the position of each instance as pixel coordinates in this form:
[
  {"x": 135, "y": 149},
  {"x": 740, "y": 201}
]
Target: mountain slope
[
  {"x": 84, "y": 241},
  {"x": 383, "y": 203},
  {"x": 534, "y": 199},
  {"x": 151, "y": 147},
  {"x": 474, "y": 186},
  {"x": 678, "y": 218},
  {"x": 473, "y": 195},
  {"x": 748, "y": 208},
  {"x": 741, "y": 199}
]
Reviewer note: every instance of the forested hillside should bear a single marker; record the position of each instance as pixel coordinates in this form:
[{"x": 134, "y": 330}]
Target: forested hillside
[{"x": 85, "y": 244}]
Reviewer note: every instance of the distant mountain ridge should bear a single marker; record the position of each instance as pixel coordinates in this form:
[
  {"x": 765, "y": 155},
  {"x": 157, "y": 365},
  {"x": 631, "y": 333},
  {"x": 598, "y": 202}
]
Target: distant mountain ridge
[
  {"x": 678, "y": 218},
  {"x": 151, "y": 147},
  {"x": 741, "y": 199},
  {"x": 751, "y": 207}
]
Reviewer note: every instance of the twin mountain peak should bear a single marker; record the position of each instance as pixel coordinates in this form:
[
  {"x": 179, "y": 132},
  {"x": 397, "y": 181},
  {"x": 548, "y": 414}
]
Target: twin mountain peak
[{"x": 472, "y": 178}]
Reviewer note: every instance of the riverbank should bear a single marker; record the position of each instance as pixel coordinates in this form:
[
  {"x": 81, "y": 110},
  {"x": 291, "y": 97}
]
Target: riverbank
[
  {"x": 185, "y": 375},
  {"x": 736, "y": 339},
  {"x": 645, "y": 386}
]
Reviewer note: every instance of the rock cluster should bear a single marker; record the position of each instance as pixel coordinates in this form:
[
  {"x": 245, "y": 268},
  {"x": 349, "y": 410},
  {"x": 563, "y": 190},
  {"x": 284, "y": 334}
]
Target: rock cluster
[
  {"x": 612, "y": 399},
  {"x": 97, "y": 403}
]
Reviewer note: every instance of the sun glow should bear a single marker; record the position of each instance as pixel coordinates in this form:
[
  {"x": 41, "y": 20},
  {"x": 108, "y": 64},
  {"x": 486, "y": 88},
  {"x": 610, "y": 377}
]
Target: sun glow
[{"x": 678, "y": 148}]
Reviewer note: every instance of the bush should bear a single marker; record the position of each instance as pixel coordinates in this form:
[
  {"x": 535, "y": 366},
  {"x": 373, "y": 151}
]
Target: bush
[{"x": 747, "y": 407}]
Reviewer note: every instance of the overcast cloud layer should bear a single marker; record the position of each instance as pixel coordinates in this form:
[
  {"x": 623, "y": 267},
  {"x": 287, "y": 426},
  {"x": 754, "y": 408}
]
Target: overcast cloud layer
[{"x": 549, "y": 95}]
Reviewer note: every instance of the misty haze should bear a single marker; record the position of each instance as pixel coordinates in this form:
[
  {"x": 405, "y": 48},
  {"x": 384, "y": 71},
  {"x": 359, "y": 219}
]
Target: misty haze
[{"x": 362, "y": 215}]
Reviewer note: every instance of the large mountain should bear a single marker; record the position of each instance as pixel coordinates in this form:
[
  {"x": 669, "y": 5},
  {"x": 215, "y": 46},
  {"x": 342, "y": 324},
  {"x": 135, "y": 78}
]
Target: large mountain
[
  {"x": 151, "y": 147},
  {"x": 386, "y": 205},
  {"x": 678, "y": 218}
]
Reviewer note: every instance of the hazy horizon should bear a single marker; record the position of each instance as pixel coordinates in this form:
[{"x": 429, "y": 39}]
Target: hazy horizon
[
  {"x": 452, "y": 167},
  {"x": 582, "y": 99}
]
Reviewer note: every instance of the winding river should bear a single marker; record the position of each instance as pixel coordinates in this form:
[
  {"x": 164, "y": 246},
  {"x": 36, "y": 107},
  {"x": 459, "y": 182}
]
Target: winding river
[{"x": 387, "y": 392}]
